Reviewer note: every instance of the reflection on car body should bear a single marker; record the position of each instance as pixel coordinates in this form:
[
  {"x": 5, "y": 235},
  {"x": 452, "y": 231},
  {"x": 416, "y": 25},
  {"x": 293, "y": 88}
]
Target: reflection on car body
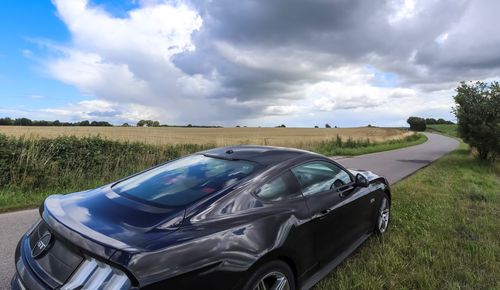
[{"x": 244, "y": 217}]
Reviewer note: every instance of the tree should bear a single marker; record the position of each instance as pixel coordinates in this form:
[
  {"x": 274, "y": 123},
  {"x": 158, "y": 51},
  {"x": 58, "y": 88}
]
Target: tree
[
  {"x": 327, "y": 125},
  {"x": 316, "y": 127},
  {"x": 416, "y": 123},
  {"x": 477, "y": 108},
  {"x": 23, "y": 122},
  {"x": 125, "y": 125},
  {"x": 6, "y": 121},
  {"x": 430, "y": 121},
  {"x": 141, "y": 123}
]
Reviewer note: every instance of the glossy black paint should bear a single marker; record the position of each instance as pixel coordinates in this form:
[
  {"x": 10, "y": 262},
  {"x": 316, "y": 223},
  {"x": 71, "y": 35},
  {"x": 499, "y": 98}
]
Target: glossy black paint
[{"x": 216, "y": 241}]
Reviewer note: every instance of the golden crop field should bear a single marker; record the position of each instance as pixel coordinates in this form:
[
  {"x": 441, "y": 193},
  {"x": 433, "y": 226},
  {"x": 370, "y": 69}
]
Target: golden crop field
[{"x": 289, "y": 137}]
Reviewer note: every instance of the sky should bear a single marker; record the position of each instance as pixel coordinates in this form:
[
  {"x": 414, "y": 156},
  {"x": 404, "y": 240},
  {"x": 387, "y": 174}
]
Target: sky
[{"x": 247, "y": 62}]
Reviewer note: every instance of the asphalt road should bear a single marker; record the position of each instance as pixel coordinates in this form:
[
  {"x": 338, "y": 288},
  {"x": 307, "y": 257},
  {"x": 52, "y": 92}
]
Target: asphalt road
[
  {"x": 397, "y": 164},
  {"x": 394, "y": 165}
]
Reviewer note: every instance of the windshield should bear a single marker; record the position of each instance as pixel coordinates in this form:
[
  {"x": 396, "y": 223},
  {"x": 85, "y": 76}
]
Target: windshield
[{"x": 185, "y": 180}]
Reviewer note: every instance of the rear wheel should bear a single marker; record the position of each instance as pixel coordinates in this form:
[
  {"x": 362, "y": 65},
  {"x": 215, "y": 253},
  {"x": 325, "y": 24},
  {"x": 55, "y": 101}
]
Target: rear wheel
[
  {"x": 275, "y": 275},
  {"x": 383, "y": 215}
]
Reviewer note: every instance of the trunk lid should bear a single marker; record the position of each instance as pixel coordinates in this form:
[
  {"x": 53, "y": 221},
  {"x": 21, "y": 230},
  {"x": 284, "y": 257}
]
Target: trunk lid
[{"x": 109, "y": 219}]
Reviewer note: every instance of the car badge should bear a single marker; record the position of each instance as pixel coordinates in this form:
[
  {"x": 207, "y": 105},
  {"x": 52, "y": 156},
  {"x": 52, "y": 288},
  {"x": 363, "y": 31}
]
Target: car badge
[{"x": 41, "y": 245}]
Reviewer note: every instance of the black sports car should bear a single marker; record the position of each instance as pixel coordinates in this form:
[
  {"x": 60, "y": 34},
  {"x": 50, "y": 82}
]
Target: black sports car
[{"x": 244, "y": 217}]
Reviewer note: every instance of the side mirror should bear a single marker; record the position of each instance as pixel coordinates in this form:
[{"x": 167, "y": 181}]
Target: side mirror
[{"x": 361, "y": 180}]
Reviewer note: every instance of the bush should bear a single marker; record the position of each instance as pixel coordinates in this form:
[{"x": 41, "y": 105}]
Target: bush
[
  {"x": 70, "y": 162},
  {"x": 478, "y": 113},
  {"x": 417, "y": 124}
]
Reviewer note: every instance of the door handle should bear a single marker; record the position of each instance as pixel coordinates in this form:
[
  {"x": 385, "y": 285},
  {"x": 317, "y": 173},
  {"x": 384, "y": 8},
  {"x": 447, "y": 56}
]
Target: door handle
[{"x": 324, "y": 212}]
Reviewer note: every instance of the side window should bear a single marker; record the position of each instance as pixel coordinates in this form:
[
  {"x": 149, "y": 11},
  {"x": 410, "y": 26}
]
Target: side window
[
  {"x": 319, "y": 176},
  {"x": 279, "y": 188}
]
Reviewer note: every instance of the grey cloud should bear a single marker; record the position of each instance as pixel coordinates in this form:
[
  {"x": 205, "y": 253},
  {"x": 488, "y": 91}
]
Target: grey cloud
[
  {"x": 259, "y": 56},
  {"x": 107, "y": 114},
  {"x": 328, "y": 34}
]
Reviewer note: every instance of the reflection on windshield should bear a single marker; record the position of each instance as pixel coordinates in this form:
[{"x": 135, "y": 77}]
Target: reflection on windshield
[{"x": 184, "y": 180}]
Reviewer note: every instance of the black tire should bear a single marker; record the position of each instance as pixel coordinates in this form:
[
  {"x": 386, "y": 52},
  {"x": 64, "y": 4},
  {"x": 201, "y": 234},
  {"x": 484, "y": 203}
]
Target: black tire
[
  {"x": 265, "y": 274},
  {"x": 383, "y": 215}
]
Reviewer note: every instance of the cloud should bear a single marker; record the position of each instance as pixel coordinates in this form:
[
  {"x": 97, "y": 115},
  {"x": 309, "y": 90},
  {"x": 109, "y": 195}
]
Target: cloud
[
  {"x": 37, "y": 97},
  {"x": 215, "y": 62},
  {"x": 103, "y": 110}
]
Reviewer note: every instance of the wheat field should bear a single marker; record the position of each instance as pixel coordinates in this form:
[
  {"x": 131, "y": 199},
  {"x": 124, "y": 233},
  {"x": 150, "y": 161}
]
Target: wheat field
[{"x": 288, "y": 137}]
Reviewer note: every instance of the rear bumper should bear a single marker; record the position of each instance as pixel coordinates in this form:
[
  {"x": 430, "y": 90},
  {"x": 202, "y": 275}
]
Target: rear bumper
[
  {"x": 15, "y": 283},
  {"x": 24, "y": 278}
]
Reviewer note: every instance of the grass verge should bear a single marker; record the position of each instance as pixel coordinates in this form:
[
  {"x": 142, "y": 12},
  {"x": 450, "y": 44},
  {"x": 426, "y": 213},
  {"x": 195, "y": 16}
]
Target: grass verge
[
  {"x": 444, "y": 232},
  {"x": 445, "y": 129},
  {"x": 336, "y": 147}
]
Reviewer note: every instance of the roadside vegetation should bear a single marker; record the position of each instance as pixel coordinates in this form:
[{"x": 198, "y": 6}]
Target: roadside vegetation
[
  {"x": 444, "y": 232},
  {"x": 352, "y": 147},
  {"x": 477, "y": 108},
  {"x": 445, "y": 129},
  {"x": 33, "y": 168}
]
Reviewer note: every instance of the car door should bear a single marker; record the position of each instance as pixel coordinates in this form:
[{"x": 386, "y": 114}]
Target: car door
[
  {"x": 283, "y": 192},
  {"x": 328, "y": 190}
]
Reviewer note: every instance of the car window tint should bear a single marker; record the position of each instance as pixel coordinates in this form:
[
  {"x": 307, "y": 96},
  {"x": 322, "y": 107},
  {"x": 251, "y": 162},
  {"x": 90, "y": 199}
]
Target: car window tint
[
  {"x": 279, "y": 188},
  {"x": 319, "y": 176},
  {"x": 185, "y": 180}
]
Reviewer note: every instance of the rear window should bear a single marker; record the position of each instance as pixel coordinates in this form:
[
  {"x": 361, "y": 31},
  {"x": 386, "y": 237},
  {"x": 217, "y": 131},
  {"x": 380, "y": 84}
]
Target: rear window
[{"x": 185, "y": 180}]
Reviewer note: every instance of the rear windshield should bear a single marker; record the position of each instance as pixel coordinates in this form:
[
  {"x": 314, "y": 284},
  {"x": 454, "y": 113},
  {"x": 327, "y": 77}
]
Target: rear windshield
[{"x": 185, "y": 180}]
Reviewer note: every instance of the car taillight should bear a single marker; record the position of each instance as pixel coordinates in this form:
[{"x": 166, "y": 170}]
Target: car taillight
[{"x": 92, "y": 274}]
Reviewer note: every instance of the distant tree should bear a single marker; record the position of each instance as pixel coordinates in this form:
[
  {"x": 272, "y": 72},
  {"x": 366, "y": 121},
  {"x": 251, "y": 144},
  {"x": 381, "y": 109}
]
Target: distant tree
[
  {"x": 416, "y": 124},
  {"x": 237, "y": 126},
  {"x": 477, "y": 108},
  {"x": 141, "y": 123},
  {"x": 431, "y": 121},
  {"x": 41, "y": 123},
  {"x": 335, "y": 126},
  {"x": 281, "y": 126},
  {"x": 56, "y": 123},
  {"x": 23, "y": 122},
  {"x": 156, "y": 124},
  {"x": 100, "y": 124},
  {"x": 84, "y": 123},
  {"x": 125, "y": 125},
  {"x": 189, "y": 125},
  {"x": 327, "y": 125},
  {"x": 369, "y": 125},
  {"x": 316, "y": 127},
  {"x": 6, "y": 121}
]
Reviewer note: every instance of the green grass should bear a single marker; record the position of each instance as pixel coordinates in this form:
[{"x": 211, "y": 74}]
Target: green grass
[
  {"x": 444, "y": 233},
  {"x": 445, "y": 129},
  {"x": 31, "y": 169},
  {"x": 350, "y": 147}
]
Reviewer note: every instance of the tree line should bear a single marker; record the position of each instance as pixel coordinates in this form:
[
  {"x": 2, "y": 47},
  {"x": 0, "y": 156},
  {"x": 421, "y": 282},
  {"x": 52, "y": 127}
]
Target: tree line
[
  {"x": 28, "y": 122},
  {"x": 420, "y": 124}
]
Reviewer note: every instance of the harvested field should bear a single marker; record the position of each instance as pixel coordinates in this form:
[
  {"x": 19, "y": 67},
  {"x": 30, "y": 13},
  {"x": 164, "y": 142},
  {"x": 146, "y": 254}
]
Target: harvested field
[{"x": 289, "y": 137}]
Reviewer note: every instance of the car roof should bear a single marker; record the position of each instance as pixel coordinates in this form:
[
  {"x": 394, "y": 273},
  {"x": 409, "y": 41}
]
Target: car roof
[{"x": 265, "y": 155}]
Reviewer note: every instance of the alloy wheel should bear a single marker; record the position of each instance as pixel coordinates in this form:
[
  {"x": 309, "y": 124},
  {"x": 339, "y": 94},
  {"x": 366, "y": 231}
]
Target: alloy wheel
[
  {"x": 384, "y": 213},
  {"x": 273, "y": 281}
]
